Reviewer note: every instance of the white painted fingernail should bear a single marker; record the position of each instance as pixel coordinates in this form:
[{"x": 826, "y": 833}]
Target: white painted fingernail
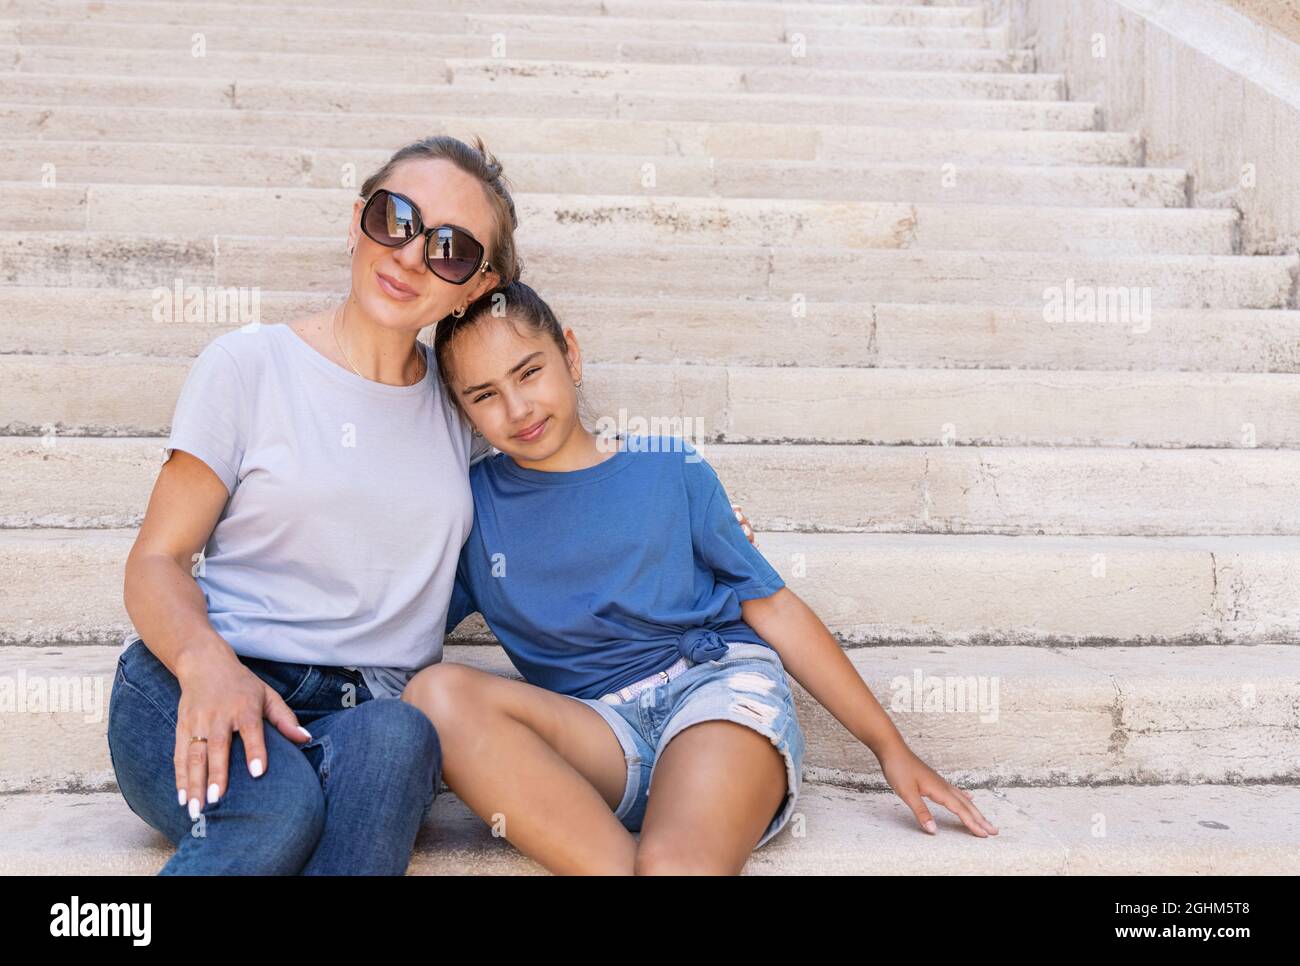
[
  {"x": 305, "y": 731},
  {"x": 180, "y": 797},
  {"x": 194, "y": 809},
  {"x": 255, "y": 767},
  {"x": 931, "y": 827},
  {"x": 738, "y": 517},
  {"x": 213, "y": 791}
]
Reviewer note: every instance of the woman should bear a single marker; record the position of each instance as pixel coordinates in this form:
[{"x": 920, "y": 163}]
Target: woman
[
  {"x": 297, "y": 555},
  {"x": 651, "y": 636}
]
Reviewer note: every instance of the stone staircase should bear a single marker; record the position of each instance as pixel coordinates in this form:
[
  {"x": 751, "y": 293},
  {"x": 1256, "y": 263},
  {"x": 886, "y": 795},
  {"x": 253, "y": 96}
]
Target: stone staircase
[{"x": 826, "y": 232}]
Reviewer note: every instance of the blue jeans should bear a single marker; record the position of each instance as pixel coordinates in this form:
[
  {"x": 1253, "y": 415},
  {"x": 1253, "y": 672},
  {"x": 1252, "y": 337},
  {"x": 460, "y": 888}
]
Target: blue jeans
[
  {"x": 349, "y": 802},
  {"x": 746, "y": 685}
]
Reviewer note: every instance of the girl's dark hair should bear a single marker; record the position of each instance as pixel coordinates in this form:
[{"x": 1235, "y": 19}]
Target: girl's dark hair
[
  {"x": 474, "y": 161},
  {"x": 516, "y": 303}
]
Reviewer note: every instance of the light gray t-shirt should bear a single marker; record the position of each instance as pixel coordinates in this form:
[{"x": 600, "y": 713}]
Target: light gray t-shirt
[{"x": 349, "y": 503}]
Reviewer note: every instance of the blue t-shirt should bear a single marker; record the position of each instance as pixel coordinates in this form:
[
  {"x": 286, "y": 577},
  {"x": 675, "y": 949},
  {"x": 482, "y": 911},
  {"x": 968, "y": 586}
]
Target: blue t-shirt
[{"x": 595, "y": 578}]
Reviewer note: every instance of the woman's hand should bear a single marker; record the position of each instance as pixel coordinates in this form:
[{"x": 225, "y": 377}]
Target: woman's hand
[
  {"x": 744, "y": 523},
  {"x": 912, "y": 779},
  {"x": 220, "y": 696}
]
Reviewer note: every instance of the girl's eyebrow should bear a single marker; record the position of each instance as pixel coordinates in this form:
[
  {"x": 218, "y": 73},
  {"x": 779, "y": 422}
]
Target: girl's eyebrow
[{"x": 515, "y": 368}]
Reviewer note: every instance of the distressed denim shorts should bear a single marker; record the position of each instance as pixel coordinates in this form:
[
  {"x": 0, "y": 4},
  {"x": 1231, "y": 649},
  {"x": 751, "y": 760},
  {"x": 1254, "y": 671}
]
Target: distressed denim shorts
[{"x": 746, "y": 685}]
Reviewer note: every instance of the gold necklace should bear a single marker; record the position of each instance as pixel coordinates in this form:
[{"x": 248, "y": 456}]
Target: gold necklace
[{"x": 335, "y": 330}]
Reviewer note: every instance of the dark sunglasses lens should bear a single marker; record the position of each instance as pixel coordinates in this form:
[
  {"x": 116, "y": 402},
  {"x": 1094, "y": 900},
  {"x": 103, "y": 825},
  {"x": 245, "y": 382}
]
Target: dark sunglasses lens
[
  {"x": 453, "y": 255},
  {"x": 390, "y": 220}
]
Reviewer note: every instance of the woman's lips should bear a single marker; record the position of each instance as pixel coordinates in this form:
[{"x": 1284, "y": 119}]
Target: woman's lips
[
  {"x": 395, "y": 289},
  {"x": 538, "y": 429}
]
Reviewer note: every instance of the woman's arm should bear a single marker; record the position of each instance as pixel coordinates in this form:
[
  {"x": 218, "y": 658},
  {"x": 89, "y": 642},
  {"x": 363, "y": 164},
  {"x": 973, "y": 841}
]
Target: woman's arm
[
  {"x": 219, "y": 695},
  {"x": 162, "y": 598},
  {"x": 811, "y": 654}
]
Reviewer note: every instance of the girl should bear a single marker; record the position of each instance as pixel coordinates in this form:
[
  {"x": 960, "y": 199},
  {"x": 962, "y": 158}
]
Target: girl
[{"x": 652, "y": 636}]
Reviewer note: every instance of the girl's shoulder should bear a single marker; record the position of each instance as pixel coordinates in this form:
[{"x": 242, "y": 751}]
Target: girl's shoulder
[{"x": 661, "y": 443}]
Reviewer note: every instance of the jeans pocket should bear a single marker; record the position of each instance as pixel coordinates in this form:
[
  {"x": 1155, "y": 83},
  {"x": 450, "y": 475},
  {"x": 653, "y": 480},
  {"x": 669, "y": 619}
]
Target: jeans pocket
[{"x": 290, "y": 681}]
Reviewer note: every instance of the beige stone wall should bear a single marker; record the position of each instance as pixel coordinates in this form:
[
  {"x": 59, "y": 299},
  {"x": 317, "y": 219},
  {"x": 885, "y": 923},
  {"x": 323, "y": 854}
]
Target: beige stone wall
[
  {"x": 1212, "y": 91},
  {"x": 1281, "y": 15}
]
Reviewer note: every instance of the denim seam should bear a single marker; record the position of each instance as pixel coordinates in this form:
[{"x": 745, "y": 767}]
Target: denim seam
[
  {"x": 299, "y": 686},
  {"x": 167, "y": 715},
  {"x": 327, "y": 760},
  {"x": 632, "y": 759}
]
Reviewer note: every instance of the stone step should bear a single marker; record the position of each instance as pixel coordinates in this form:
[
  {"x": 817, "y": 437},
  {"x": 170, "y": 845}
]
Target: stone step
[
  {"x": 268, "y": 131},
  {"x": 118, "y": 395},
  {"x": 472, "y": 76},
  {"x": 351, "y": 14},
  {"x": 80, "y": 482},
  {"x": 1071, "y": 286},
  {"x": 485, "y": 33},
  {"x": 695, "y": 212},
  {"x": 1107, "y": 830},
  {"x": 725, "y": 10},
  {"x": 92, "y": 177},
  {"x": 938, "y": 589},
  {"x": 723, "y": 332},
  {"x": 815, "y": 4},
  {"x": 1073, "y": 716},
  {"x": 727, "y": 63},
  {"x": 445, "y": 100}
]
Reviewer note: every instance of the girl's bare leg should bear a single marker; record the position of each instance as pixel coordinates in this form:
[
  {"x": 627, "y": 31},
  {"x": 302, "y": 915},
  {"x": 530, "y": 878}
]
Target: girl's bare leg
[
  {"x": 716, "y": 788},
  {"x": 543, "y": 767}
]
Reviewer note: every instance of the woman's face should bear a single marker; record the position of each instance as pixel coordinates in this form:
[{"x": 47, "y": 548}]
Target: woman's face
[
  {"x": 509, "y": 379},
  {"x": 418, "y": 298}
]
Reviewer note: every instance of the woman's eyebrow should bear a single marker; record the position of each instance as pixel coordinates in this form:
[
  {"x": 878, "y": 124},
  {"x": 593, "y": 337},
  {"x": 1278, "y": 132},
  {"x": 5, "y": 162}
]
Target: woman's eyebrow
[{"x": 513, "y": 369}]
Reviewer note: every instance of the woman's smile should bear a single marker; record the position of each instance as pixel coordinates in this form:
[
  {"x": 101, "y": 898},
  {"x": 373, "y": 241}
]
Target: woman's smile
[{"x": 395, "y": 289}]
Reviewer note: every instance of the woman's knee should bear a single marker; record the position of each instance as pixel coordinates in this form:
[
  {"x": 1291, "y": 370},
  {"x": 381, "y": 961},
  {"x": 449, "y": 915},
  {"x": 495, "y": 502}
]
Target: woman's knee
[
  {"x": 269, "y": 825},
  {"x": 280, "y": 813},
  {"x": 388, "y": 735}
]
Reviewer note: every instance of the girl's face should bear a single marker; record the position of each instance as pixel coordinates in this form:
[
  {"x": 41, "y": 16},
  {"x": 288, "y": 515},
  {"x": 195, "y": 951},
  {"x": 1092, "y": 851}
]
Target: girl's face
[
  {"x": 512, "y": 381},
  {"x": 394, "y": 285}
]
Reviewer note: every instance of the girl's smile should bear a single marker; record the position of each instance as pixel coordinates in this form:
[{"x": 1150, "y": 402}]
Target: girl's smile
[{"x": 533, "y": 432}]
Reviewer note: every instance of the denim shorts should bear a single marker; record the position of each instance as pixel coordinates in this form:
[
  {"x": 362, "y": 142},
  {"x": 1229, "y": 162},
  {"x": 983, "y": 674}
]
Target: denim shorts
[{"x": 746, "y": 685}]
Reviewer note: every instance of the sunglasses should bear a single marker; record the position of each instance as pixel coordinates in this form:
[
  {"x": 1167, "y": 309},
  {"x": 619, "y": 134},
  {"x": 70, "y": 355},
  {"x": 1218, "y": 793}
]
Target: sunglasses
[{"x": 451, "y": 252}]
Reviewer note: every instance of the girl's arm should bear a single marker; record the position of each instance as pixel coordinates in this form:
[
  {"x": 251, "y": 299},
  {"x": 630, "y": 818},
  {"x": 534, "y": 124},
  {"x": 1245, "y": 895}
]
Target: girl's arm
[{"x": 812, "y": 655}]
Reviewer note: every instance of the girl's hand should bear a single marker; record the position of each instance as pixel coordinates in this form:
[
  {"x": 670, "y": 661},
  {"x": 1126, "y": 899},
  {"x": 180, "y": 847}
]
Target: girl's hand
[
  {"x": 911, "y": 778},
  {"x": 744, "y": 523}
]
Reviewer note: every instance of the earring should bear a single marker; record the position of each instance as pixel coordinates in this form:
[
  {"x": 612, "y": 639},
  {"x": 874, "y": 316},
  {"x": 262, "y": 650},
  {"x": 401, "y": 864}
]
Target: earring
[
  {"x": 577, "y": 384},
  {"x": 459, "y": 313},
  {"x": 351, "y": 249}
]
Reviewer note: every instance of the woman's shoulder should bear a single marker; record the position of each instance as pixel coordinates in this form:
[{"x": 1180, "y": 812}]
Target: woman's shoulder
[
  {"x": 254, "y": 339},
  {"x": 251, "y": 349}
]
